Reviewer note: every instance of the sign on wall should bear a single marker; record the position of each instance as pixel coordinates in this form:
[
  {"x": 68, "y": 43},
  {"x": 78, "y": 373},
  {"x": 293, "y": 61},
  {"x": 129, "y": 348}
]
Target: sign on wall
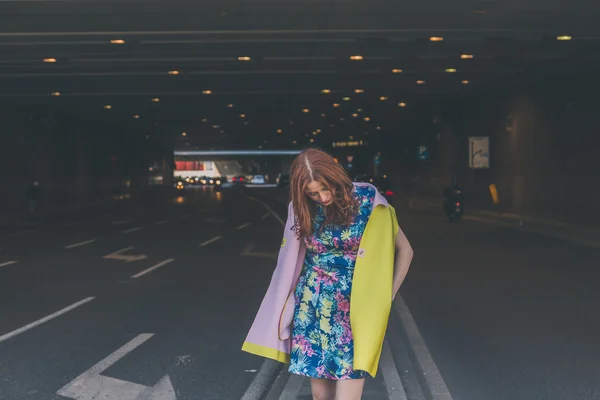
[
  {"x": 423, "y": 153},
  {"x": 479, "y": 152}
]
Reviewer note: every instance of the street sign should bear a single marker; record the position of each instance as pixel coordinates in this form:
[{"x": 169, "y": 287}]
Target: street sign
[
  {"x": 350, "y": 158},
  {"x": 423, "y": 154},
  {"x": 479, "y": 152},
  {"x": 118, "y": 255},
  {"x": 377, "y": 159},
  {"x": 92, "y": 385}
]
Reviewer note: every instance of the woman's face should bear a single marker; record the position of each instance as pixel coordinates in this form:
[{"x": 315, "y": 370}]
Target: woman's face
[{"x": 320, "y": 193}]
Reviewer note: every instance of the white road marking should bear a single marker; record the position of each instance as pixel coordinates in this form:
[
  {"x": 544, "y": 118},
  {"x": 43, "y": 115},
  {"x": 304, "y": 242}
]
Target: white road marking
[
  {"x": 7, "y": 263},
  {"x": 210, "y": 241},
  {"x": 92, "y": 385},
  {"x": 131, "y": 230},
  {"x": 21, "y": 233},
  {"x": 249, "y": 253},
  {"x": 71, "y": 246},
  {"x": 164, "y": 221},
  {"x": 45, "y": 319},
  {"x": 393, "y": 384},
  {"x": 121, "y": 222},
  {"x": 292, "y": 388},
  {"x": 118, "y": 255},
  {"x": 244, "y": 226},
  {"x": 262, "y": 380},
  {"x": 267, "y": 215},
  {"x": 269, "y": 209},
  {"x": 160, "y": 264},
  {"x": 250, "y": 370},
  {"x": 425, "y": 364}
]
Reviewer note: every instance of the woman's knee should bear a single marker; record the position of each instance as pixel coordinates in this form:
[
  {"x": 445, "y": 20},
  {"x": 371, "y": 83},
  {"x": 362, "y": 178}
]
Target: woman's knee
[{"x": 322, "y": 389}]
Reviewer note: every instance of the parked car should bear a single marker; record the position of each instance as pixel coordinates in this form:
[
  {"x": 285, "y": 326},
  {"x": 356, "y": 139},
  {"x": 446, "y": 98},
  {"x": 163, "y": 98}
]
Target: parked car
[
  {"x": 258, "y": 180},
  {"x": 382, "y": 184}
]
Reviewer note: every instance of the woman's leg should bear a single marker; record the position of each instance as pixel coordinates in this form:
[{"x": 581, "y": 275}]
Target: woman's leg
[
  {"x": 322, "y": 389},
  {"x": 349, "y": 389}
]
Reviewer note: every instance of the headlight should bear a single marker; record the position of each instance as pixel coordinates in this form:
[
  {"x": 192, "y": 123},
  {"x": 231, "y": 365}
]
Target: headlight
[
  {"x": 211, "y": 181},
  {"x": 218, "y": 182}
]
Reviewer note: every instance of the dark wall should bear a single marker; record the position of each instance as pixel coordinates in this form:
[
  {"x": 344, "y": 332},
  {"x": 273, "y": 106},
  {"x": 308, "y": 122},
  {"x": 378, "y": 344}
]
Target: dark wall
[{"x": 544, "y": 149}]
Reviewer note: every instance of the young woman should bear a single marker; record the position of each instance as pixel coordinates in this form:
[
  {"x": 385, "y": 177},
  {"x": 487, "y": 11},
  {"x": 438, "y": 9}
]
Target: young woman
[{"x": 342, "y": 261}]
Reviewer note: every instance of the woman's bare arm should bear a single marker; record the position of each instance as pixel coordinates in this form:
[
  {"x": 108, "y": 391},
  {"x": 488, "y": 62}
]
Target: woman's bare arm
[{"x": 404, "y": 255}]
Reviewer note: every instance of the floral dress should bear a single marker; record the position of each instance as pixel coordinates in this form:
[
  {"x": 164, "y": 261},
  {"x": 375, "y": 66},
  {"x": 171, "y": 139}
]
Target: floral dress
[{"x": 322, "y": 343}]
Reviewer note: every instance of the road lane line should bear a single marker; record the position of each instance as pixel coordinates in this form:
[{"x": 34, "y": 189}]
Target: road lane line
[
  {"x": 267, "y": 215},
  {"x": 262, "y": 380},
  {"x": 160, "y": 264},
  {"x": 293, "y": 387},
  {"x": 269, "y": 209},
  {"x": 425, "y": 365},
  {"x": 210, "y": 241},
  {"x": 7, "y": 263},
  {"x": 71, "y": 246},
  {"x": 244, "y": 226},
  {"x": 164, "y": 221},
  {"x": 392, "y": 380},
  {"x": 44, "y": 320},
  {"x": 131, "y": 230},
  {"x": 121, "y": 222}
]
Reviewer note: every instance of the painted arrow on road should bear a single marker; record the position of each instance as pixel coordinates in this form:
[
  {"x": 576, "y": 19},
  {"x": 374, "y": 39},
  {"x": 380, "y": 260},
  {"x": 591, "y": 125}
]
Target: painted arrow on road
[
  {"x": 249, "y": 253},
  {"x": 91, "y": 385},
  {"x": 118, "y": 255}
]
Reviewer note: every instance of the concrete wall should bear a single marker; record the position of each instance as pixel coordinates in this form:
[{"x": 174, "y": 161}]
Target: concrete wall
[{"x": 545, "y": 145}]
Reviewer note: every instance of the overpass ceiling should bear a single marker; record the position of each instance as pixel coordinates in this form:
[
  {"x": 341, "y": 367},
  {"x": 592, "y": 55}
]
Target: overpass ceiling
[{"x": 231, "y": 73}]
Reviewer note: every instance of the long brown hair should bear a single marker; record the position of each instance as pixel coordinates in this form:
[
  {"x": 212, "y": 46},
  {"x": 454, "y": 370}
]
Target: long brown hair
[{"x": 316, "y": 165}]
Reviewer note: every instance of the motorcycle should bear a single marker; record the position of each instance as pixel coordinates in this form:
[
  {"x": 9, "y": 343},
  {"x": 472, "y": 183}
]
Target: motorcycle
[{"x": 453, "y": 206}]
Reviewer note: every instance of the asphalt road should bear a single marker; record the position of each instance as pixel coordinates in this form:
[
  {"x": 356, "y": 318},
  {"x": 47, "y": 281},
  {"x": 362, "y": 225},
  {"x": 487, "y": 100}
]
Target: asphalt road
[{"x": 506, "y": 314}]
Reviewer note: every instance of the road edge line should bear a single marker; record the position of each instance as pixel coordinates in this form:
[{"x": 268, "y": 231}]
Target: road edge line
[{"x": 431, "y": 379}]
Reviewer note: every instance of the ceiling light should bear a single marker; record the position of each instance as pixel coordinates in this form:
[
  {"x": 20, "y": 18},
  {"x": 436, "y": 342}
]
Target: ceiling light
[
  {"x": 312, "y": 140},
  {"x": 204, "y": 120},
  {"x": 342, "y": 119},
  {"x": 117, "y": 41},
  {"x": 466, "y": 56},
  {"x": 367, "y": 119},
  {"x": 378, "y": 128},
  {"x": 450, "y": 70},
  {"x": 383, "y": 98},
  {"x": 244, "y": 58},
  {"x": 216, "y": 126},
  {"x": 318, "y": 131},
  {"x": 183, "y": 133},
  {"x": 336, "y": 105},
  {"x": 359, "y": 110},
  {"x": 294, "y": 142},
  {"x": 358, "y": 91},
  {"x": 346, "y": 99},
  {"x": 356, "y": 58},
  {"x": 173, "y": 72},
  {"x": 55, "y": 94},
  {"x": 229, "y": 105},
  {"x": 245, "y": 122},
  {"x": 465, "y": 82},
  {"x": 108, "y": 107},
  {"x": 242, "y": 115},
  {"x": 155, "y": 100},
  {"x": 436, "y": 39},
  {"x": 136, "y": 116},
  {"x": 49, "y": 60},
  {"x": 563, "y": 38},
  {"x": 355, "y": 115},
  {"x": 305, "y": 110},
  {"x": 325, "y": 91},
  {"x": 206, "y": 92},
  {"x": 279, "y": 130},
  {"x": 402, "y": 105},
  {"x": 397, "y": 71},
  {"x": 323, "y": 115},
  {"x": 420, "y": 82}
]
